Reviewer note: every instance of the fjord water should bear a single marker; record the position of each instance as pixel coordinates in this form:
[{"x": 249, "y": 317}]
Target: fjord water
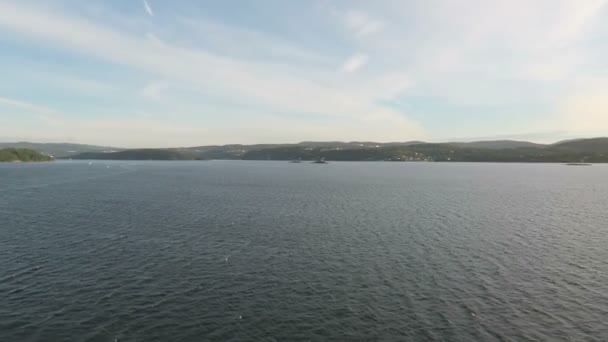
[{"x": 273, "y": 251}]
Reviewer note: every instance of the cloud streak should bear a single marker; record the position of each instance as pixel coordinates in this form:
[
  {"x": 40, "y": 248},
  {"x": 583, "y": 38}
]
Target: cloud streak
[
  {"x": 276, "y": 87},
  {"x": 27, "y": 106},
  {"x": 154, "y": 90},
  {"x": 398, "y": 69},
  {"x": 355, "y": 63},
  {"x": 41, "y": 113},
  {"x": 362, "y": 24},
  {"x": 148, "y": 8}
]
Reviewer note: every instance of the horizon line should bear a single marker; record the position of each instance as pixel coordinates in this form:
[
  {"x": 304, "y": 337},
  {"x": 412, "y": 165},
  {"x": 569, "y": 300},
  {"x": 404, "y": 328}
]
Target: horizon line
[{"x": 463, "y": 140}]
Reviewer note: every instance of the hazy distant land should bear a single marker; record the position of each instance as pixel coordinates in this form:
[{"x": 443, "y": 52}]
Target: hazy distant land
[{"x": 593, "y": 150}]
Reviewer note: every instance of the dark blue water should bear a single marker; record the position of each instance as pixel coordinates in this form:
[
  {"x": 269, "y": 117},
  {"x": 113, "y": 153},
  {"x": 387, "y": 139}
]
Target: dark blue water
[{"x": 272, "y": 251}]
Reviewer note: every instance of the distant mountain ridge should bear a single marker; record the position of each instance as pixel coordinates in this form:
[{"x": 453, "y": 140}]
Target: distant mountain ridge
[
  {"x": 59, "y": 150},
  {"x": 595, "y": 145},
  {"x": 497, "y": 144},
  {"x": 138, "y": 154},
  {"x": 581, "y": 150}
]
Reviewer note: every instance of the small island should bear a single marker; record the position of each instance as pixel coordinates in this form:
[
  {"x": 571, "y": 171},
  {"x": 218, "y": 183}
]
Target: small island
[{"x": 23, "y": 155}]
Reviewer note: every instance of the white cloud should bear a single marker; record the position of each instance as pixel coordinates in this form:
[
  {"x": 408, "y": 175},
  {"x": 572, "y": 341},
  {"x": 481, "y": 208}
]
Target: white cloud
[
  {"x": 474, "y": 54},
  {"x": 41, "y": 113},
  {"x": 355, "y": 62},
  {"x": 153, "y": 38},
  {"x": 148, "y": 8},
  {"x": 154, "y": 90},
  {"x": 501, "y": 55},
  {"x": 251, "y": 44},
  {"x": 362, "y": 24},
  {"x": 579, "y": 17},
  {"x": 25, "y": 105},
  {"x": 550, "y": 68},
  {"x": 277, "y": 87}
]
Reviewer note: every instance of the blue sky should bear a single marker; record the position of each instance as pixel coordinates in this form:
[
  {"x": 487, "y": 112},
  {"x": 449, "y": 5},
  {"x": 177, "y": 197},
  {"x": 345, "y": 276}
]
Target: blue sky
[{"x": 139, "y": 73}]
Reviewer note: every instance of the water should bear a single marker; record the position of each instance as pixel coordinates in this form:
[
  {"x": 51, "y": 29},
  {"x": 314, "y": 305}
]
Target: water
[{"x": 273, "y": 251}]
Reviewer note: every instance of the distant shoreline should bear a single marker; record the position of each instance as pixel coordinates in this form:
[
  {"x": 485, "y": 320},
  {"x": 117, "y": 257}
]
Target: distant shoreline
[
  {"x": 582, "y": 151},
  {"x": 63, "y": 160}
]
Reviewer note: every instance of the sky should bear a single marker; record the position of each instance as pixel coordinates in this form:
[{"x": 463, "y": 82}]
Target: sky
[{"x": 152, "y": 73}]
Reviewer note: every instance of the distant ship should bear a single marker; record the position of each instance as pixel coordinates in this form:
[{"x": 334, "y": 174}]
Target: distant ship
[{"x": 320, "y": 161}]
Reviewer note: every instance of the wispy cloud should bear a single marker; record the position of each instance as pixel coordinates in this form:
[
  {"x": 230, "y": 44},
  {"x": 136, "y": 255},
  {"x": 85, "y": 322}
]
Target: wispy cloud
[
  {"x": 362, "y": 23},
  {"x": 42, "y": 113},
  {"x": 154, "y": 90},
  {"x": 252, "y": 44},
  {"x": 27, "y": 106},
  {"x": 278, "y": 87},
  {"x": 153, "y": 38},
  {"x": 355, "y": 63},
  {"x": 579, "y": 17},
  {"x": 385, "y": 69},
  {"x": 148, "y": 8}
]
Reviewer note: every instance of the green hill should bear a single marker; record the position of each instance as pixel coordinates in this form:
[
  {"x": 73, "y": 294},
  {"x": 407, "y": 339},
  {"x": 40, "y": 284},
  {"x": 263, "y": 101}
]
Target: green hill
[
  {"x": 438, "y": 152},
  {"x": 59, "y": 150},
  {"x": 593, "y": 150},
  {"x": 497, "y": 144},
  {"x": 595, "y": 145},
  {"x": 138, "y": 154},
  {"x": 22, "y": 155}
]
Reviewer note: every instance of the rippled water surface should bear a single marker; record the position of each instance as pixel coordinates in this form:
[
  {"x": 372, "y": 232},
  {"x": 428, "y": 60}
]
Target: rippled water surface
[{"x": 272, "y": 251}]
